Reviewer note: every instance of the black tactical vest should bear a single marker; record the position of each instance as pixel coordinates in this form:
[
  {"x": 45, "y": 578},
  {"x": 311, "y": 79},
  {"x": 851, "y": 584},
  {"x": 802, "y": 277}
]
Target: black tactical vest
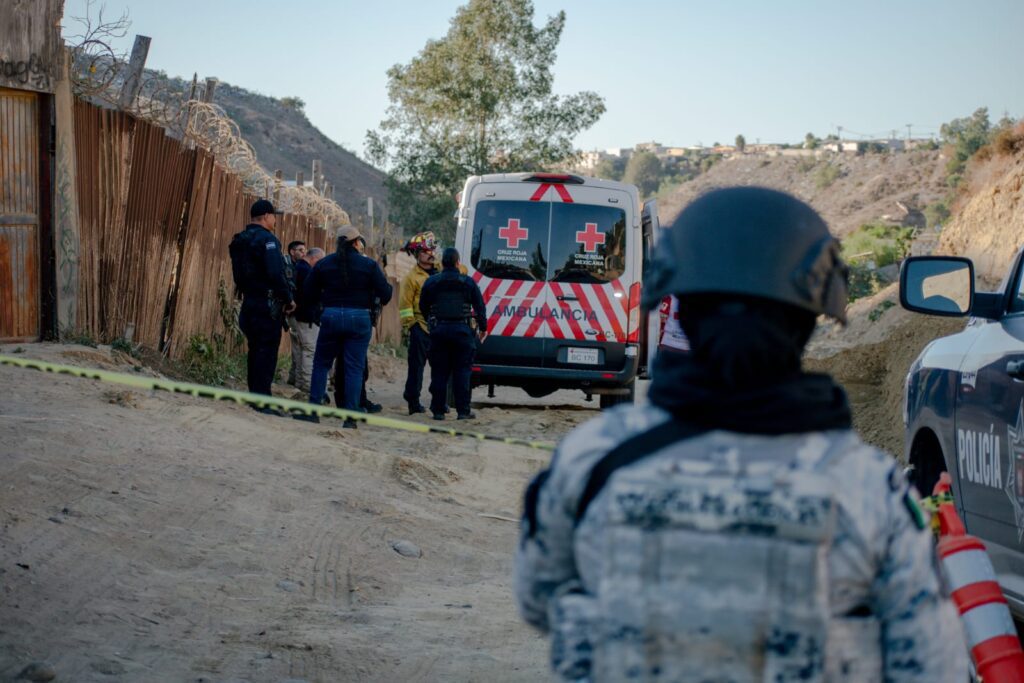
[{"x": 452, "y": 304}]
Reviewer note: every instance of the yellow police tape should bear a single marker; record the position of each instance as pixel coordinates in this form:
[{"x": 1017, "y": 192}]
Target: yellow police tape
[{"x": 259, "y": 401}]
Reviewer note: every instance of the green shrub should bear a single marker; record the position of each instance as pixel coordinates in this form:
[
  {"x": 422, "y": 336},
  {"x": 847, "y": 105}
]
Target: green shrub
[
  {"x": 936, "y": 213},
  {"x": 124, "y": 346},
  {"x": 80, "y": 337},
  {"x": 883, "y": 244},
  {"x": 207, "y": 361},
  {"x": 879, "y": 310},
  {"x": 806, "y": 164},
  {"x": 863, "y": 282},
  {"x": 826, "y": 175}
]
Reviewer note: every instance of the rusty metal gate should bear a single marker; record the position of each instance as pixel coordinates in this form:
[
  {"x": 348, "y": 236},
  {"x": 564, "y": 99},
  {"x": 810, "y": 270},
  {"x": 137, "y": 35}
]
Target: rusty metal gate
[{"x": 19, "y": 216}]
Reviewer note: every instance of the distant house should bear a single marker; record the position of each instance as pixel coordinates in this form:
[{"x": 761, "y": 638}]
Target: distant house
[
  {"x": 841, "y": 146},
  {"x": 589, "y": 161},
  {"x": 766, "y": 149}
]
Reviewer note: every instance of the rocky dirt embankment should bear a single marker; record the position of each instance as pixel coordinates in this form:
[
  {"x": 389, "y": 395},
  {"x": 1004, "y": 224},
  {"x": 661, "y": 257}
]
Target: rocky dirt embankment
[
  {"x": 865, "y": 188},
  {"x": 989, "y": 227},
  {"x": 872, "y": 355}
]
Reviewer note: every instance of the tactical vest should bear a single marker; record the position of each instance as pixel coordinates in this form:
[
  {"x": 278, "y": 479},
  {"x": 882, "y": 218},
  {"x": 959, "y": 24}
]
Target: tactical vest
[
  {"x": 244, "y": 269},
  {"x": 714, "y": 571},
  {"x": 452, "y": 303}
]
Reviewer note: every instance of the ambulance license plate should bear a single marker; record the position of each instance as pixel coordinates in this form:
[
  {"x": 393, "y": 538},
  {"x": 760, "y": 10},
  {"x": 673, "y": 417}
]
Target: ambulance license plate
[{"x": 583, "y": 356}]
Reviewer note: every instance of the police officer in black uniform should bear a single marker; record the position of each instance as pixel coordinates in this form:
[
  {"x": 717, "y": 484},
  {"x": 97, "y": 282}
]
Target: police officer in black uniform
[
  {"x": 260, "y": 274},
  {"x": 450, "y": 302}
]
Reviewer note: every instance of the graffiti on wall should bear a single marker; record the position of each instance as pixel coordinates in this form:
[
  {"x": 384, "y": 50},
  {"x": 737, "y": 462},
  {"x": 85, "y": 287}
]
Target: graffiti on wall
[{"x": 32, "y": 72}]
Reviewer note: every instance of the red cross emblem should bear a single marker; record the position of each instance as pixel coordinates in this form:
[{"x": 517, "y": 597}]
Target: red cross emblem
[
  {"x": 590, "y": 237},
  {"x": 513, "y": 234}
]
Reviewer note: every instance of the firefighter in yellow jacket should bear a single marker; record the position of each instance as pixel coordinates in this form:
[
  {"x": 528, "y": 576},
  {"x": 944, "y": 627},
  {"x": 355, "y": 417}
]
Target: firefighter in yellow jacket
[{"x": 421, "y": 247}]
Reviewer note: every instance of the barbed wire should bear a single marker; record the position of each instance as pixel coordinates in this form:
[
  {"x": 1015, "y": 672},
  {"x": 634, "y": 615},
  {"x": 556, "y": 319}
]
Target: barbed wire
[
  {"x": 98, "y": 73},
  {"x": 209, "y": 127}
]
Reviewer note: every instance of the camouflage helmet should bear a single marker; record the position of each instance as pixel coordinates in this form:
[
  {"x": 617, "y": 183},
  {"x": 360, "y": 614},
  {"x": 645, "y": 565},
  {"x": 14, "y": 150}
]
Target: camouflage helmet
[
  {"x": 750, "y": 241},
  {"x": 422, "y": 241}
]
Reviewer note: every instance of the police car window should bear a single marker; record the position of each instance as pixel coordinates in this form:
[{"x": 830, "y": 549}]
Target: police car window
[
  {"x": 588, "y": 243},
  {"x": 510, "y": 239}
]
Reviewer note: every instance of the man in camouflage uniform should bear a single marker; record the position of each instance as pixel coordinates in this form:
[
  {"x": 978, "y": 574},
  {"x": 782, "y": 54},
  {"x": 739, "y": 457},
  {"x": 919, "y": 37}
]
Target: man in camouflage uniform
[{"x": 736, "y": 529}]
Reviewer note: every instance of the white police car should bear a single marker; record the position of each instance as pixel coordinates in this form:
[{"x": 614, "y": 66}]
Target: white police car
[{"x": 964, "y": 405}]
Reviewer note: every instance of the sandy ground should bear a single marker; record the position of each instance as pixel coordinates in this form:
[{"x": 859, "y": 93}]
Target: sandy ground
[{"x": 152, "y": 537}]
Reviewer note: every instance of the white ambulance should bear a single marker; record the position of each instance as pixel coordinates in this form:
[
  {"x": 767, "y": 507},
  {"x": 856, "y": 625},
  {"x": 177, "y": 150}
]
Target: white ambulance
[{"x": 559, "y": 259}]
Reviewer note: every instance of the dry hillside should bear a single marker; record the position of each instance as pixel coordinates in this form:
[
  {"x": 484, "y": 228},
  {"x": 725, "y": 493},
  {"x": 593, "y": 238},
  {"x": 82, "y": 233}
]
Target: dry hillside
[
  {"x": 865, "y": 189},
  {"x": 871, "y": 356},
  {"x": 284, "y": 139},
  {"x": 989, "y": 227}
]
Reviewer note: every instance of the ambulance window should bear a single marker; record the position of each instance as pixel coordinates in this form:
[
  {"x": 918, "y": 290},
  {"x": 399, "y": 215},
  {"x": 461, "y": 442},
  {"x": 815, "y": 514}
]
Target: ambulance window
[
  {"x": 510, "y": 239},
  {"x": 588, "y": 243}
]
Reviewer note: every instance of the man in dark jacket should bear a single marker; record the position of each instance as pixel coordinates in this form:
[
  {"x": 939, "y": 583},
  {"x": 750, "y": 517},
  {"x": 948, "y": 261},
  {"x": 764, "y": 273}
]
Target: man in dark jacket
[
  {"x": 304, "y": 324},
  {"x": 451, "y": 302},
  {"x": 346, "y": 284},
  {"x": 267, "y": 297}
]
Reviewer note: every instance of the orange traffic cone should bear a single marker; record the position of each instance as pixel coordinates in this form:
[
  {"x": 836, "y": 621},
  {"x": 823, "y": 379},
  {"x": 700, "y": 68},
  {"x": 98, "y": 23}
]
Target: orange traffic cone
[{"x": 991, "y": 634}]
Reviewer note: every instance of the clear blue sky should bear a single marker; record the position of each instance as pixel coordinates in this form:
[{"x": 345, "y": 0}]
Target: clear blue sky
[{"x": 680, "y": 72}]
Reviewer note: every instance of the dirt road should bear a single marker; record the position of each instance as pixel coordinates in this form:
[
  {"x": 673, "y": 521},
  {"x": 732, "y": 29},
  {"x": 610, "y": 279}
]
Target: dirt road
[{"x": 151, "y": 537}]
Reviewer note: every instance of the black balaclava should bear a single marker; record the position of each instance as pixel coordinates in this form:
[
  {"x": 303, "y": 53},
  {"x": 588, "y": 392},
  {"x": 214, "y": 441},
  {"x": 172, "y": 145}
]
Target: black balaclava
[{"x": 745, "y": 342}]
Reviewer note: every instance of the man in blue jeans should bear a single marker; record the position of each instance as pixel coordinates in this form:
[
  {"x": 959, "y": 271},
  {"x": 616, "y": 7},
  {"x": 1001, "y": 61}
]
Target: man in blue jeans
[
  {"x": 345, "y": 283},
  {"x": 451, "y": 302}
]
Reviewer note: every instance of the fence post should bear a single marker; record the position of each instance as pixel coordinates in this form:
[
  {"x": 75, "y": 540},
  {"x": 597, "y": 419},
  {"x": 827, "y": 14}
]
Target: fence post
[
  {"x": 133, "y": 82},
  {"x": 277, "y": 186},
  {"x": 211, "y": 88},
  {"x": 318, "y": 176}
]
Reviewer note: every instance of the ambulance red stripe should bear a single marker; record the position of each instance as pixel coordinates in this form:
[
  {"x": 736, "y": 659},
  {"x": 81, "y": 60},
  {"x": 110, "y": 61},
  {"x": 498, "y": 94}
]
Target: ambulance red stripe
[
  {"x": 505, "y": 300},
  {"x": 514, "y": 323},
  {"x": 613, "y": 317},
  {"x": 562, "y": 191},
  {"x": 574, "y": 326},
  {"x": 553, "y": 325},
  {"x": 588, "y": 311},
  {"x": 537, "y": 321}
]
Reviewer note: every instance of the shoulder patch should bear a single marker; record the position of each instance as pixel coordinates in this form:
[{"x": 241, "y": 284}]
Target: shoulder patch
[{"x": 271, "y": 245}]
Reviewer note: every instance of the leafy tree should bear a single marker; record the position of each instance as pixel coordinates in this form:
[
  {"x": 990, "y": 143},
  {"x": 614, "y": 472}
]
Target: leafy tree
[
  {"x": 611, "y": 168},
  {"x": 811, "y": 142},
  {"x": 644, "y": 171},
  {"x": 966, "y": 135},
  {"x": 296, "y": 103},
  {"x": 479, "y": 100},
  {"x": 936, "y": 213},
  {"x": 741, "y": 143}
]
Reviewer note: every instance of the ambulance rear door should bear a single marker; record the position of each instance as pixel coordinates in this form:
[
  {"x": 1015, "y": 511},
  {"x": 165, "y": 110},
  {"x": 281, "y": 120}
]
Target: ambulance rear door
[
  {"x": 593, "y": 276},
  {"x": 507, "y": 232}
]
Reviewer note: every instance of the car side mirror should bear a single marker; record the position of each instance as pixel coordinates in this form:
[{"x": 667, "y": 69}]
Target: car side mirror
[{"x": 937, "y": 285}]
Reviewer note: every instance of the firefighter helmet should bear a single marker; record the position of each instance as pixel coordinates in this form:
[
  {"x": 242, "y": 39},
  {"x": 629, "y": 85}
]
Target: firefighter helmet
[
  {"x": 755, "y": 242},
  {"x": 423, "y": 241}
]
